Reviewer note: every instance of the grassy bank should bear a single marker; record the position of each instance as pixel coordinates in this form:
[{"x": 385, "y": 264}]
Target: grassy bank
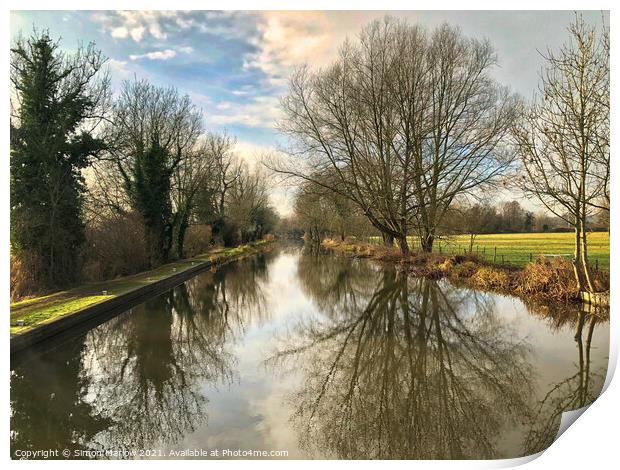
[
  {"x": 546, "y": 278},
  {"x": 29, "y": 313},
  {"x": 519, "y": 248}
]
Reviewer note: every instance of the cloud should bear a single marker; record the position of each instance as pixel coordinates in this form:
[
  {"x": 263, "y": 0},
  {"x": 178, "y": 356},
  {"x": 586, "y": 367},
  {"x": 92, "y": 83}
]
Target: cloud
[
  {"x": 119, "y": 32},
  {"x": 288, "y": 39},
  {"x": 260, "y": 111},
  {"x": 137, "y": 33},
  {"x": 252, "y": 153},
  {"x": 162, "y": 55},
  {"x": 155, "y": 55},
  {"x": 134, "y": 24}
]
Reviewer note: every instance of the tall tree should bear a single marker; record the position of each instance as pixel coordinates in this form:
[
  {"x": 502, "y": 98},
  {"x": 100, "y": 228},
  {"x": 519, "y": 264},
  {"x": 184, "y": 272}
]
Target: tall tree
[
  {"x": 347, "y": 121},
  {"x": 463, "y": 148},
  {"x": 154, "y": 129},
  {"x": 405, "y": 122},
  {"x": 564, "y": 135},
  {"x": 58, "y": 100},
  {"x": 225, "y": 171},
  {"x": 193, "y": 175},
  {"x": 247, "y": 202}
]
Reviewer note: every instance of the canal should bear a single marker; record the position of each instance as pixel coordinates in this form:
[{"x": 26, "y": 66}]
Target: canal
[{"x": 312, "y": 355}]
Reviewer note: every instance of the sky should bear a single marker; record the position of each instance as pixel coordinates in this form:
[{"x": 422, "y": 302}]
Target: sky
[{"x": 235, "y": 65}]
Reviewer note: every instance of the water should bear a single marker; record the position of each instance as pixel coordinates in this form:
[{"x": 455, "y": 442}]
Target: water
[{"x": 315, "y": 355}]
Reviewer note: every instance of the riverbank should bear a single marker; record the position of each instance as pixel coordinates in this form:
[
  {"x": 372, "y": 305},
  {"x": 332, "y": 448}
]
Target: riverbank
[
  {"x": 88, "y": 300},
  {"x": 543, "y": 279}
]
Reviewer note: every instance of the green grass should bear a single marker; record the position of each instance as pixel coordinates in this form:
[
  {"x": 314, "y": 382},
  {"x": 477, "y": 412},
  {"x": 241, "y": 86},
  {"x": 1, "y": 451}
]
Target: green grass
[
  {"x": 517, "y": 247},
  {"x": 35, "y": 311}
]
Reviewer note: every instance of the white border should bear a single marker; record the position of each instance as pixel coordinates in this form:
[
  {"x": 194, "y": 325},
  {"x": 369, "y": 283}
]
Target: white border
[{"x": 590, "y": 443}]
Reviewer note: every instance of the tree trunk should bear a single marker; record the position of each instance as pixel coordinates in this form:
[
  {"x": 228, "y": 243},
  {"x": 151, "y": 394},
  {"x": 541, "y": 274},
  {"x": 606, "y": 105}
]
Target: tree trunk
[
  {"x": 183, "y": 226},
  {"x": 154, "y": 243},
  {"x": 577, "y": 266},
  {"x": 388, "y": 240},
  {"x": 584, "y": 256},
  {"x": 402, "y": 243},
  {"x": 427, "y": 242}
]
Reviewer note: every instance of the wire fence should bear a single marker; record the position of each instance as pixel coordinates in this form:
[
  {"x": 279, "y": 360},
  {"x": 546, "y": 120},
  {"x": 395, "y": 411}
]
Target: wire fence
[{"x": 490, "y": 254}]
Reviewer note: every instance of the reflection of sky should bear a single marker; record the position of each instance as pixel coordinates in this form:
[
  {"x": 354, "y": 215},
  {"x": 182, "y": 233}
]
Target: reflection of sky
[{"x": 254, "y": 412}]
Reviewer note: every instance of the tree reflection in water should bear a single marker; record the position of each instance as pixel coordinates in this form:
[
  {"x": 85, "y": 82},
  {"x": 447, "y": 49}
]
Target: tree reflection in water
[
  {"x": 398, "y": 367},
  {"x": 49, "y": 409},
  {"x": 572, "y": 393},
  {"x": 384, "y": 366},
  {"x": 138, "y": 381},
  {"x": 423, "y": 370}
]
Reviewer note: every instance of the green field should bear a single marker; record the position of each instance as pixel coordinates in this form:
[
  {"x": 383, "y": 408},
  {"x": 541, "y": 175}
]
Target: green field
[{"x": 517, "y": 247}]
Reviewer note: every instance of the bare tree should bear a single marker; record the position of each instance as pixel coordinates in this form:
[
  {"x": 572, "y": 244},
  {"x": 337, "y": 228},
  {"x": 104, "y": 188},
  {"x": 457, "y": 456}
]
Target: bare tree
[
  {"x": 463, "y": 149},
  {"x": 225, "y": 170},
  {"x": 246, "y": 200},
  {"x": 195, "y": 173},
  {"x": 347, "y": 121},
  {"x": 563, "y": 137},
  {"x": 404, "y": 122},
  {"x": 153, "y": 130},
  {"x": 476, "y": 220}
]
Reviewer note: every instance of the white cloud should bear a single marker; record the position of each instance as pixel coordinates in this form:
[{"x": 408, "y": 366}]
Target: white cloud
[
  {"x": 155, "y": 55},
  {"x": 252, "y": 153},
  {"x": 162, "y": 55},
  {"x": 261, "y": 111},
  {"x": 134, "y": 24},
  {"x": 117, "y": 64},
  {"x": 137, "y": 33},
  {"x": 293, "y": 38},
  {"x": 119, "y": 32}
]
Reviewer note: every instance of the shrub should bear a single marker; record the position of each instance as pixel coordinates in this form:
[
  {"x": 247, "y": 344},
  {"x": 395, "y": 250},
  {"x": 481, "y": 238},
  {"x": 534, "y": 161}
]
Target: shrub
[
  {"x": 552, "y": 278},
  {"x": 487, "y": 277},
  {"x": 463, "y": 270},
  {"x": 24, "y": 281},
  {"x": 197, "y": 240},
  {"x": 115, "y": 246}
]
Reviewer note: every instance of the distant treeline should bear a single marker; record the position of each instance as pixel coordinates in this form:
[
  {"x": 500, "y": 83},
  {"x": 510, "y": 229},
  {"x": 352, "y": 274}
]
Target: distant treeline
[{"x": 511, "y": 217}]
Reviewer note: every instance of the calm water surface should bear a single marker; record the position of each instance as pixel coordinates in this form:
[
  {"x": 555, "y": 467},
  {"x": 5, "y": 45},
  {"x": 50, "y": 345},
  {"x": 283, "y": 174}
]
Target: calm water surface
[{"x": 320, "y": 356}]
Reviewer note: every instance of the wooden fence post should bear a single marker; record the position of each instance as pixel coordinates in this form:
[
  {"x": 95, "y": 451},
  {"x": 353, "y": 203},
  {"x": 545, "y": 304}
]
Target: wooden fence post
[{"x": 495, "y": 255}]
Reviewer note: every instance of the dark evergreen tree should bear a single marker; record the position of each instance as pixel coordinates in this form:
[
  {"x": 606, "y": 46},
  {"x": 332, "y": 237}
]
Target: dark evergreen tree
[{"x": 57, "y": 101}]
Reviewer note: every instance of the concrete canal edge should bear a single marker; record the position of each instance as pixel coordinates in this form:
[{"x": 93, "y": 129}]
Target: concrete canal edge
[{"x": 122, "y": 302}]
